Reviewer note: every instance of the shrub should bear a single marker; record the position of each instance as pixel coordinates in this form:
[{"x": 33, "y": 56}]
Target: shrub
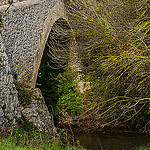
[{"x": 114, "y": 48}]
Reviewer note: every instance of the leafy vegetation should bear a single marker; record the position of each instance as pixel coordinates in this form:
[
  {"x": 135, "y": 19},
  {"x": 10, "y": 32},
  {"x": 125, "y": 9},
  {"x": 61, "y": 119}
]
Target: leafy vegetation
[
  {"x": 69, "y": 99},
  {"x": 143, "y": 148},
  {"x": 20, "y": 139},
  {"x": 58, "y": 89}
]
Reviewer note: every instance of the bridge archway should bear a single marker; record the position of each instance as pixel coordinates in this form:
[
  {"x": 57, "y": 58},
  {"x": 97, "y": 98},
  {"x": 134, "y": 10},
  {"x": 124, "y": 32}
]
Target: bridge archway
[
  {"x": 55, "y": 14},
  {"x": 55, "y": 59}
]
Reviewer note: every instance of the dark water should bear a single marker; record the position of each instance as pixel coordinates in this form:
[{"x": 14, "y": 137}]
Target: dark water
[{"x": 112, "y": 141}]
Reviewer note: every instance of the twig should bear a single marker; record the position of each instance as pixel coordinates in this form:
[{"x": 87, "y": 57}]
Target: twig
[
  {"x": 72, "y": 135},
  {"x": 139, "y": 101},
  {"x": 100, "y": 143}
]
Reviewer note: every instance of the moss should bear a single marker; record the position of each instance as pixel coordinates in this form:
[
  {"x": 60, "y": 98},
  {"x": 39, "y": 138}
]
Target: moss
[
  {"x": 1, "y": 58},
  {"x": 24, "y": 94},
  {"x": 25, "y": 124},
  {"x": 4, "y": 106}
]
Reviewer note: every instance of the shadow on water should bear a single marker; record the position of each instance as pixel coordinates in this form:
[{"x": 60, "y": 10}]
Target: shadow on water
[{"x": 112, "y": 141}]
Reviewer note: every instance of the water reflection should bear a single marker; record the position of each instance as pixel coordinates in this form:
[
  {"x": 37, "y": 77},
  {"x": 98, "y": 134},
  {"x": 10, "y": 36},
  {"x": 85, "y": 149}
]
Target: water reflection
[{"x": 112, "y": 141}]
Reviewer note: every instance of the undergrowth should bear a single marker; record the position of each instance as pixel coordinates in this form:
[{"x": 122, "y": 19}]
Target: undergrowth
[
  {"x": 20, "y": 139},
  {"x": 59, "y": 89}
]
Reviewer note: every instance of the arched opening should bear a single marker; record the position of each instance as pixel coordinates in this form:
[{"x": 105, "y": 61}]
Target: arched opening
[{"x": 54, "y": 61}]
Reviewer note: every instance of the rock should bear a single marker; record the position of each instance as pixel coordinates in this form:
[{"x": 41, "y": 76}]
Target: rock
[
  {"x": 38, "y": 114},
  {"x": 8, "y": 100}
]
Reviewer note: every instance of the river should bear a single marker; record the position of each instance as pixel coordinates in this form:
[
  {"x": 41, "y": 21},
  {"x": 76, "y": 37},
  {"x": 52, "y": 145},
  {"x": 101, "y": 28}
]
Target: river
[{"x": 112, "y": 141}]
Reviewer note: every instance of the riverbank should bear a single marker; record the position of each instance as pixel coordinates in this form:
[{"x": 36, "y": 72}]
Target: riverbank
[
  {"x": 77, "y": 128},
  {"x": 10, "y": 145},
  {"x": 25, "y": 139},
  {"x": 29, "y": 138},
  {"x": 22, "y": 140}
]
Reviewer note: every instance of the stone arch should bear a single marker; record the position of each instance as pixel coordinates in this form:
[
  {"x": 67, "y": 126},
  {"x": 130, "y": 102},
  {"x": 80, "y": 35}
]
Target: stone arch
[{"x": 57, "y": 12}]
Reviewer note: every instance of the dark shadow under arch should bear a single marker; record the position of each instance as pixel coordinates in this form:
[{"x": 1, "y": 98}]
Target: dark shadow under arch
[
  {"x": 58, "y": 43},
  {"x": 54, "y": 61}
]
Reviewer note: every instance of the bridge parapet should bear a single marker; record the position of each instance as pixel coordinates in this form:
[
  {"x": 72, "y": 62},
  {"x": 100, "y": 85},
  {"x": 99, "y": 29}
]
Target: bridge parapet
[
  {"x": 9, "y": 2},
  {"x": 26, "y": 26},
  {"x": 17, "y": 5}
]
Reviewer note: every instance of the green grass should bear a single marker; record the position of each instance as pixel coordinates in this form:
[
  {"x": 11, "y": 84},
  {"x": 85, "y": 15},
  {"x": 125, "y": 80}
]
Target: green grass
[
  {"x": 24, "y": 139},
  {"x": 143, "y": 148},
  {"x": 7, "y": 145}
]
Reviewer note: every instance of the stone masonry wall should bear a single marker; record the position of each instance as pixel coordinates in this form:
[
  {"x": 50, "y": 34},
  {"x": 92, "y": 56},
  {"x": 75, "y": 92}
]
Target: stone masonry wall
[
  {"x": 38, "y": 114},
  {"x": 6, "y": 2},
  {"x": 22, "y": 26},
  {"x": 10, "y": 109},
  {"x": 22, "y": 29}
]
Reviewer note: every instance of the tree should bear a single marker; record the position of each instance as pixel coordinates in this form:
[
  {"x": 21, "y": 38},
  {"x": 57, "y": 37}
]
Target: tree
[{"x": 113, "y": 38}]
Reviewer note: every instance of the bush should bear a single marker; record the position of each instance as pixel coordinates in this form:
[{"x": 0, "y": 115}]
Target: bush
[{"x": 70, "y": 100}]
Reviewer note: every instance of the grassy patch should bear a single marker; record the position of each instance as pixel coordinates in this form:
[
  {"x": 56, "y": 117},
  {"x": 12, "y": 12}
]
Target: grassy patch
[
  {"x": 143, "y": 148},
  {"x": 21, "y": 139}
]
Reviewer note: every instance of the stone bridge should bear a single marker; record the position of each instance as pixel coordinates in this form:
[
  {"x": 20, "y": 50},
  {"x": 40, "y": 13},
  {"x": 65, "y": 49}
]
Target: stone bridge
[{"x": 25, "y": 28}]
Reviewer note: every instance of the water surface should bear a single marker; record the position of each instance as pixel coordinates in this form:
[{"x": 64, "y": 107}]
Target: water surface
[{"x": 112, "y": 141}]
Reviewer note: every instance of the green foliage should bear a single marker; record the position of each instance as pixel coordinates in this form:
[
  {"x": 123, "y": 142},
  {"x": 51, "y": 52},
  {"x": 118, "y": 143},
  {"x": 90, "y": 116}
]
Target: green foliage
[
  {"x": 24, "y": 124},
  {"x": 20, "y": 139},
  {"x": 58, "y": 88},
  {"x": 47, "y": 81},
  {"x": 69, "y": 99},
  {"x": 59, "y": 91},
  {"x": 26, "y": 74},
  {"x": 113, "y": 39},
  {"x": 142, "y": 148}
]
